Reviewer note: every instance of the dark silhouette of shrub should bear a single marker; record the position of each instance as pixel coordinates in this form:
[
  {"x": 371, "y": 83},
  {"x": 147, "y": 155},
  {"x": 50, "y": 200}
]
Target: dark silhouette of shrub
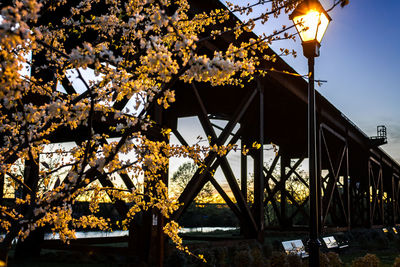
[
  {"x": 243, "y": 258},
  {"x": 397, "y": 262},
  {"x": 279, "y": 259},
  {"x": 369, "y": 260},
  {"x": 294, "y": 260}
]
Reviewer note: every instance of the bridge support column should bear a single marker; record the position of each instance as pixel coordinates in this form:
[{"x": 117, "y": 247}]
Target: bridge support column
[
  {"x": 2, "y": 181},
  {"x": 395, "y": 197},
  {"x": 248, "y": 223},
  {"x": 243, "y": 171},
  {"x": 285, "y": 162},
  {"x": 375, "y": 192},
  {"x": 347, "y": 183}
]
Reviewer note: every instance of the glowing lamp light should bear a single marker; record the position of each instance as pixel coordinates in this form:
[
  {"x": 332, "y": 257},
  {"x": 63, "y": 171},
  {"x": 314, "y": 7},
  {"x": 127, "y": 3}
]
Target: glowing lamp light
[{"x": 311, "y": 22}]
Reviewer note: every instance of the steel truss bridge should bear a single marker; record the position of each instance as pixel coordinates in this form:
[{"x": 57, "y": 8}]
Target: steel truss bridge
[{"x": 359, "y": 184}]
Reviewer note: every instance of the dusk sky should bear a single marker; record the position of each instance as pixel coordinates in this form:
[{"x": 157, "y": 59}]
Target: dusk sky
[{"x": 360, "y": 59}]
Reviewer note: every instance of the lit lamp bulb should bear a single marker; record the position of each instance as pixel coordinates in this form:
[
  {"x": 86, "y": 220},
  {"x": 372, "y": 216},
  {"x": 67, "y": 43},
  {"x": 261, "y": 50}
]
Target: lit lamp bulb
[{"x": 311, "y": 21}]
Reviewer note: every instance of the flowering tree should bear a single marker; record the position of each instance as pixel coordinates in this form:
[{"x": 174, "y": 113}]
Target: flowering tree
[{"x": 136, "y": 52}]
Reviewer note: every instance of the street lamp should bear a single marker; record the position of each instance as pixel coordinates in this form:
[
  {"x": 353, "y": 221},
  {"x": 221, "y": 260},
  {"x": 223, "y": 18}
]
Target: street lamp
[{"x": 311, "y": 21}]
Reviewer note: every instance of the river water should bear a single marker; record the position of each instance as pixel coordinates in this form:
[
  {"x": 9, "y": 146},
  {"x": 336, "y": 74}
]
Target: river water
[{"x": 94, "y": 234}]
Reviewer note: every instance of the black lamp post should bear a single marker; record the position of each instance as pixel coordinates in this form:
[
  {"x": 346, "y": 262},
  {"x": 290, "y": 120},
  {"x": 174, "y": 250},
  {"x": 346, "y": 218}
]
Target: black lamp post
[{"x": 311, "y": 21}]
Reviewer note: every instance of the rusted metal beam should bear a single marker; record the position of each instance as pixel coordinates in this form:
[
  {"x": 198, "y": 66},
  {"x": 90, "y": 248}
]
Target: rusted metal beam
[
  {"x": 334, "y": 170},
  {"x": 283, "y": 178},
  {"x": 300, "y": 207},
  {"x": 300, "y": 178},
  {"x": 342, "y": 206},
  {"x": 243, "y": 172},
  {"x": 277, "y": 188},
  {"x": 2, "y": 181},
  {"x": 230, "y": 177},
  {"x": 193, "y": 187},
  {"x": 347, "y": 187},
  {"x": 370, "y": 214},
  {"x": 68, "y": 86},
  {"x": 268, "y": 173},
  {"x": 272, "y": 200},
  {"x": 240, "y": 111},
  {"x": 179, "y": 137},
  {"x": 381, "y": 196},
  {"x": 127, "y": 180},
  {"x": 324, "y": 126},
  {"x": 395, "y": 197},
  {"x": 245, "y": 211},
  {"x": 197, "y": 182},
  {"x": 376, "y": 183},
  {"x": 332, "y": 185}
]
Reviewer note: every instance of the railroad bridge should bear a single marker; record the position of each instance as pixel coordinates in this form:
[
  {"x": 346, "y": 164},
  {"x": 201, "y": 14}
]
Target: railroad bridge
[{"x": 359, "y": 184}]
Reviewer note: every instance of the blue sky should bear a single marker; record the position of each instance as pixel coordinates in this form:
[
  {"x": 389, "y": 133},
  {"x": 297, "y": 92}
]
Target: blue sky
[{"x": 360, "y": 59}]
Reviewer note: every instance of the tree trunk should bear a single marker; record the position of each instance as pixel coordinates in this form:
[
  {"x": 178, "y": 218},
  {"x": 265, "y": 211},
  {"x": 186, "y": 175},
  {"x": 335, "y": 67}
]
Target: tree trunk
[{"x": 31, "y": 246}]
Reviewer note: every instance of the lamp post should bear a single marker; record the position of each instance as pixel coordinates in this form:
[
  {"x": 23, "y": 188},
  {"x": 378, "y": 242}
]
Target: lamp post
[{"x": 311, "y": 21}]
